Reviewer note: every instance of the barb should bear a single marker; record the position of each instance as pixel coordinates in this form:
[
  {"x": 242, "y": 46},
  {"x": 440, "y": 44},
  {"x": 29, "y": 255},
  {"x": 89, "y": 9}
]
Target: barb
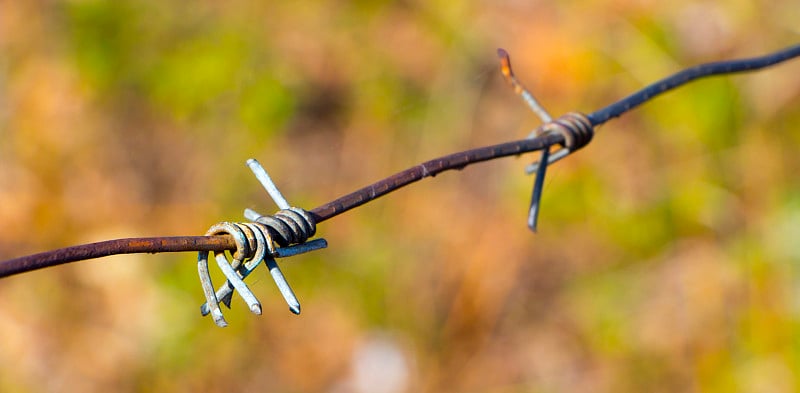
[
  {"x": 544, "y": 159},
  {"x": 256, "y": 242},
  {"x": 427, "y": 169},
  {"x": 508, "y": 73}
]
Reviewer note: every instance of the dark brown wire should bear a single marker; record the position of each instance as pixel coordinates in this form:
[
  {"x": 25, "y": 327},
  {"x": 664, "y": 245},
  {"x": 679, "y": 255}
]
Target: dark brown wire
[
  {"x": 115, "y": 247},
  {"x": 429, "y": 168},
  {"x": 329, "y": 210}
]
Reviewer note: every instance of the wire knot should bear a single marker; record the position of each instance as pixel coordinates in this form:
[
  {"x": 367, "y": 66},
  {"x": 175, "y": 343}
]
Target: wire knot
[
  {"x": 575, "y": 127},
  {"x": 289, "y": 226},
  {"x": 282, "y": 234}
]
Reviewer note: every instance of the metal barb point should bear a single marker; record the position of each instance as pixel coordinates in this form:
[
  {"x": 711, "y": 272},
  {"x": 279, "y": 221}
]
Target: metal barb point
[
  {"x": 237, "y": 282},
  {"x": 208, "y": 290},
  {"x": 546, "y": 158},
  {"x": 283, "y": 204},
  {"x": 255, "y": 243},
  {"x": 242, "y": 249},
  {"x": 508, "y": 73},
  {"x": 269, "y": 185},
  {"x": 225, "y": 292},
  {"x": 283, "y": 286},
  {"x": 536, "y": 196}
]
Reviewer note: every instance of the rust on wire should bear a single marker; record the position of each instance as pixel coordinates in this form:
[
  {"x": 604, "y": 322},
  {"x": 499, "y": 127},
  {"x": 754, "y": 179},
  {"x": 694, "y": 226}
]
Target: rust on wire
[
  {"x": 255, "y": 241},
  {"x": 114, "y": 247},
  {"x": 426, "y": 169},
  {"x": 455, "y": 161}
]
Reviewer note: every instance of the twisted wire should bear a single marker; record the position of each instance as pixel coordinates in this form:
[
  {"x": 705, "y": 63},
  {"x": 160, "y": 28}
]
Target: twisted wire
[
  {"x": 575, "y": 127},
  {"x": 576, "y": 131},
  {"x": 290, "y": 226},
  {"x": 454, "y": 161},
  {"x": 255, "y": 242}
]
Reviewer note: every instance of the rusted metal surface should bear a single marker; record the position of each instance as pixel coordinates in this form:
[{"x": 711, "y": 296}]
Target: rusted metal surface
[
  {"x": 429, "y": 169},
  {"x": 114, "y": 247},
  {"x": 225, "y": 242}
]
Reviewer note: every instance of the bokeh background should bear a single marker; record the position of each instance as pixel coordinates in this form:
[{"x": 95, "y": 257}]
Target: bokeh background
[{"x": 668, "y": 252}]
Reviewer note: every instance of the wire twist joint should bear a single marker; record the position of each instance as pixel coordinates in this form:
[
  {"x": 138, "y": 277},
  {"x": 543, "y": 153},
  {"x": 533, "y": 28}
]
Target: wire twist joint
[
  {"x": 265, "y": 238},
  {"x": 575, "y": 127}
]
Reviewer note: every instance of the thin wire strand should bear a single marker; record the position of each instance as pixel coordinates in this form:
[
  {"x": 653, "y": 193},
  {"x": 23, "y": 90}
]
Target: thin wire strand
[
  {"x": 519, "y": 88},
  {"x": 115, "y": 247},
  {"x": 427, "y": 169},
  {"x": 683, "y": 77},
  {"x": 321, "y": 213}
]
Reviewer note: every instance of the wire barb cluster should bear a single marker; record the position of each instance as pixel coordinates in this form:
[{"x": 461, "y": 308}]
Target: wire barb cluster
[
  {"x": 256, "y": 241},
  {"x": 287, "y": 232},
  {"x": 288, "y": 226},
  {"x": 575, "y": 128}
]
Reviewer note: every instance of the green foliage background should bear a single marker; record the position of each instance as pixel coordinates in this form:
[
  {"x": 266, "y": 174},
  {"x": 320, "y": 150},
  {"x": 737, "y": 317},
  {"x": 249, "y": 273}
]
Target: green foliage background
[{"x": 666, "y": 260}]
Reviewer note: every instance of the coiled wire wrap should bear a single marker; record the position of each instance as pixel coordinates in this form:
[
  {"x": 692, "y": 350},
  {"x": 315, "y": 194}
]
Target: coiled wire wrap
[
  {"x": 577, "y": 130},
  {"x": 256, "y": 242},
  {"x": 575, "y": 127},
  {"x": 289, "y": 226}
]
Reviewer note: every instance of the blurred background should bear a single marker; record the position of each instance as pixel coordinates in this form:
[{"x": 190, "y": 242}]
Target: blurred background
[{"x": 667, "y": 256}]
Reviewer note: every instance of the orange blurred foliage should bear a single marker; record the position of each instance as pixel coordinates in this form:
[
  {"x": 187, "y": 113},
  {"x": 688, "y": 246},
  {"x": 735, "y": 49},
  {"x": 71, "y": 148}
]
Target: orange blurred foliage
[{"x": 667, "y": 254}]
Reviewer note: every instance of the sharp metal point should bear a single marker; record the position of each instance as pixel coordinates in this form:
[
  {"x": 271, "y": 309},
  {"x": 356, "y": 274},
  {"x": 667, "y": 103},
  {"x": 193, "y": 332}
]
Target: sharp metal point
[
  {"x": 283, "y": 285},
  {"x": 536, "y": 196},
  {"x": 237, "y": 282},
  {"x": 269, "y": 185},
  {"x": 218, "y": 318}
]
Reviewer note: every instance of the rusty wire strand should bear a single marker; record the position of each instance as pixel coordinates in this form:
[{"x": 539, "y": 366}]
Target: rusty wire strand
[{"x": 401, "y": 179}]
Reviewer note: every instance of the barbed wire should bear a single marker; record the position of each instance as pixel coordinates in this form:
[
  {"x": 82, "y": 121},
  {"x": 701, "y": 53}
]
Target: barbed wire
[
  {"x": 291, "y": 227},
  {"x": 401, "y": 179}
]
